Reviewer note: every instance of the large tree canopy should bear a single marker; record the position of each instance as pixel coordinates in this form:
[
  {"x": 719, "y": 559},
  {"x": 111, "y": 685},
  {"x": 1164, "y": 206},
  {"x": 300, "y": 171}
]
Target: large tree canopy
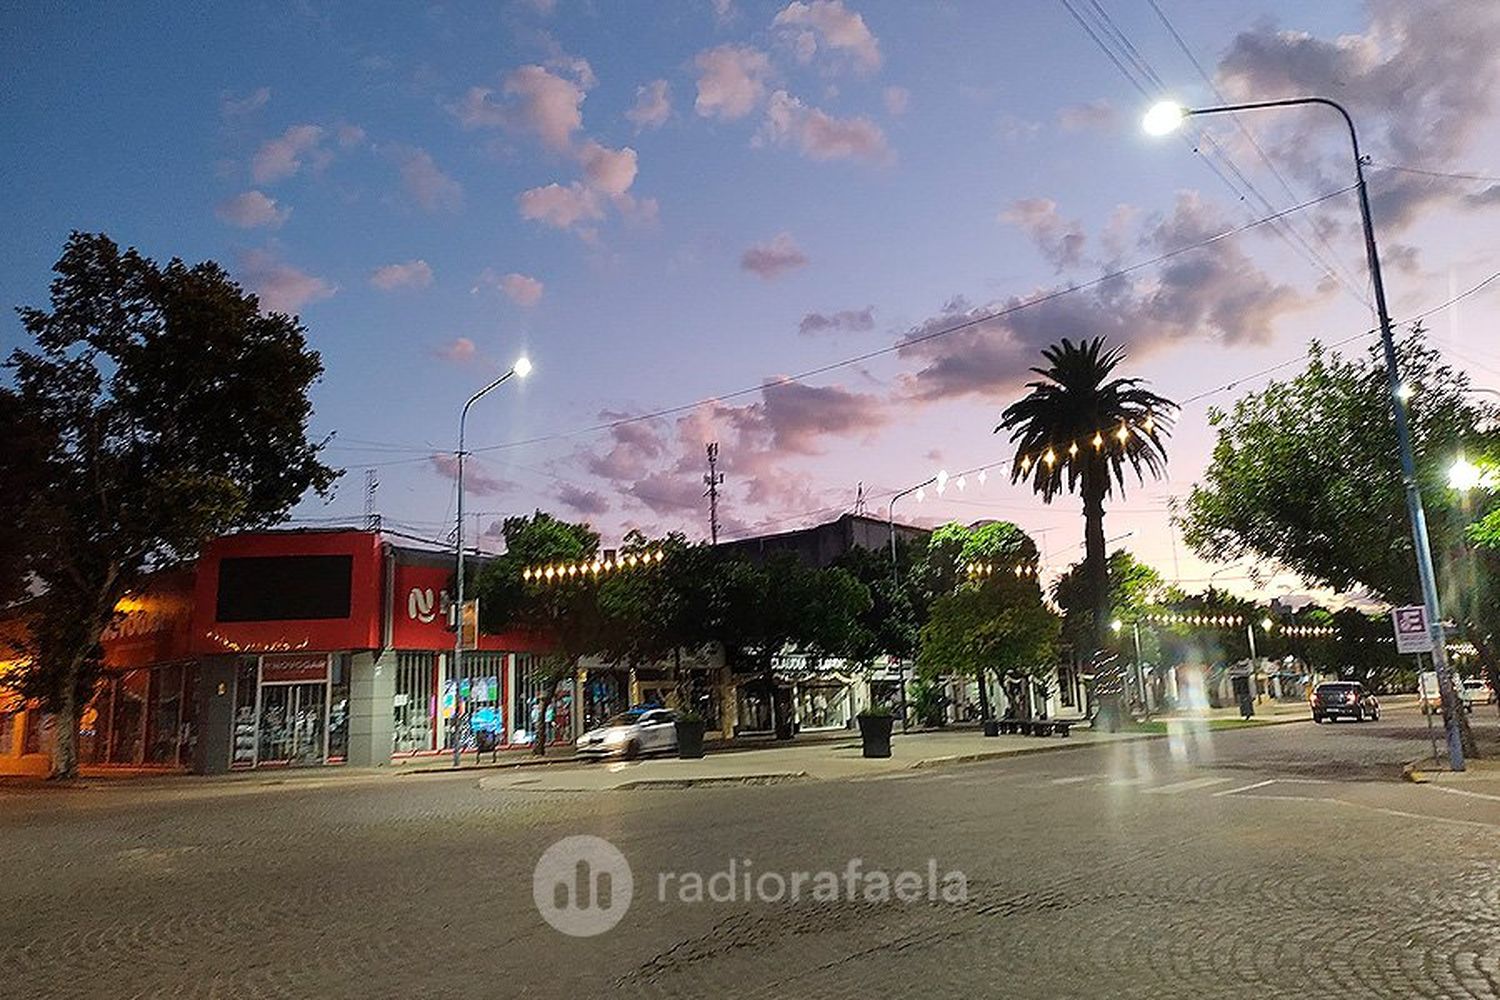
[
  {"x": 172, "y": 410},
  {"x": 1305, "y": 476}
]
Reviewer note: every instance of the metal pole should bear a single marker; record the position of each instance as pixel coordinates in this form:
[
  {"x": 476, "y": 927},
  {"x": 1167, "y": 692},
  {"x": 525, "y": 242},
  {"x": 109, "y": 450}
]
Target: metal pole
[
  {"x": 458, "y": 586},
  {"x": 1415, "y": 513},
  {"x": 1250, "y": 631},
  {"x": 1140, "y": 670},
  {"x": 896, "y": 586}
]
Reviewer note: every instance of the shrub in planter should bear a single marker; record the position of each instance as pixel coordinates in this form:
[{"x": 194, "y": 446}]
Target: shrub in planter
[
  {"x": 690, "y": 729},
  {"x": 875, "y": 731}
]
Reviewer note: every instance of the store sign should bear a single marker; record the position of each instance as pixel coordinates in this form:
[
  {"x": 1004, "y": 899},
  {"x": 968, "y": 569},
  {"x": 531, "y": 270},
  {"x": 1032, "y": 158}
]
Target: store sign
[
  {"x": 1412, "y": 633},
  {"x": 300, "y": 669},
  {"x": 417, "y": 622}
]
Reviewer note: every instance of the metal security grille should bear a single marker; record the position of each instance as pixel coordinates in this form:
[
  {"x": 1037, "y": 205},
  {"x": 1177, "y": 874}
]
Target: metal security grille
[{"x": 415, "y": 704}]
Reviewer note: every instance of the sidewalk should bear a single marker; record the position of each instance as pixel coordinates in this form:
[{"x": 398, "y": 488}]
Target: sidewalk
[{"x": 836, "y": 761}]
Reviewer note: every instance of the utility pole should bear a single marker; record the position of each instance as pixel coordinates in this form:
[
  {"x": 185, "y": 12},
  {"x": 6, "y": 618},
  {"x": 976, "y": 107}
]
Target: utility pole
[
  {"x": 372, "y": 519},
  {"x": 713, "y": 478},
  {"x": 859, "y": 499}
]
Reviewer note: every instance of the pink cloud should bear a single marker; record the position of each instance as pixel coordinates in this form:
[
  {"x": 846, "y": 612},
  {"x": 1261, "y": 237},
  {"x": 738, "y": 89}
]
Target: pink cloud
[
  {"x": 477, "y": 480},
  {"x": 560, "y": 207},
  {"x": 412, "y": 274},
  {"x": 252, "y": 209},
  {"x": 731, "y": 81},
  {"x": 459, "y": 350},
  {"x": 522, "y": 289},
  {"x": 897, "y": 100},
  {"x": 609, "y": 170},
  {"x": 840, "y": 29},
  {"x": 653, "y": 106},
  {"x": 589, "y": 503},
  {"x": 1060, "y": 242},
  {"x": 843, "y": 321},
  {"x": 432, "y": 189},
  {"x": 1099, "y": 114},
  {"x": 284, "y": 155},
  {"x": 819, "y": 135},
  {"x": 536, "y": 101},
  {"x": 773, "y": 259},
  {"x": 281, "y": 287}
]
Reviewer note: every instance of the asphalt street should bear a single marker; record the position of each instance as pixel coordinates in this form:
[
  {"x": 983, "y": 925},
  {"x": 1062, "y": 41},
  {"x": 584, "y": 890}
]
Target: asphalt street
[{"x": 1288, "y": 861}]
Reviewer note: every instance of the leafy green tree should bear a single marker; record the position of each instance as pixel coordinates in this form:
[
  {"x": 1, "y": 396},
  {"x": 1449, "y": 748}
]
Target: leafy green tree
[
  {"x": 172, "y": 410},
  {"x": 889, "y": 625},
  {"x": 1077, "y": 431},
  {"x": 1305, "y": 475},
  {"x": 986, "y": 609},
  {"x": 564, "y": 610}
]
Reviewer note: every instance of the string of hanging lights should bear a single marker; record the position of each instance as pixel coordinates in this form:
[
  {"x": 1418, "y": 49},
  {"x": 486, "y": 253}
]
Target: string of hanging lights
[
  {"x": 557, "y": 572},
  {"x": 1054, "y": 453},
  {"x": 985, "y": 569}
]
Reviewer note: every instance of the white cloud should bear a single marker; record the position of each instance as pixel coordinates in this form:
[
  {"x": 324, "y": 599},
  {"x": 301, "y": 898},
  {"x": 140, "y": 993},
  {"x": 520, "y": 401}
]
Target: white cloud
[
  {"x": 840, "y": 29},
  {"x": 773, "y": 259},
  {"x": 412, "y": 274},
  {"x": 731, "y": 81},
  {"x": 819, "y": 135},
  {"x": 235, "y": 107},
  {"x": 537, "y": 101},
  {"x": 284, "y": 155},
  {"x": 281, "y": 287},
  {"x": 653, "y": 105},
  {"x": 843, "y": 321},
  {"x": 252, "y": 209}
]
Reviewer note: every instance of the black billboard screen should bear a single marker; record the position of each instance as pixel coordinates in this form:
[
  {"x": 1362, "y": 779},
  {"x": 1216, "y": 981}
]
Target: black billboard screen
[{"x": 284, "y": 588}]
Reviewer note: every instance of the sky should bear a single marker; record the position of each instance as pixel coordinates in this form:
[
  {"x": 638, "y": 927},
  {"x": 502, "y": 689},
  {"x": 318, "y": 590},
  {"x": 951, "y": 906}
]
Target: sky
[{"x": 678, "y": 206}]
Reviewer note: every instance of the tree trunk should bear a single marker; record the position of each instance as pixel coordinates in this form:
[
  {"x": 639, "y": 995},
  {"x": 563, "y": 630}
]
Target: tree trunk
[
  {"x": 1107, "y": 685},
  {"x": 984, "y": 698},
  {"x": 65, "y": 727}
]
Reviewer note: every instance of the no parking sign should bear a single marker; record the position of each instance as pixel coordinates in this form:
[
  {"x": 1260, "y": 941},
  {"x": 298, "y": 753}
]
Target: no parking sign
[{"x": 1412, "y": 633}]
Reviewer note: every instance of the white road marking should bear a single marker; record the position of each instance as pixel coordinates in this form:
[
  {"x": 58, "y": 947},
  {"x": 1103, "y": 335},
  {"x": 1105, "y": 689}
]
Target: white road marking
[
  {"x": 1128, "y": 782},
  {"x": 1464, "y": 791},
  {"x": 1186, "y": 786},
  {"x": 1245, "y": 788},
  {"x": 1077, "y": 778}
]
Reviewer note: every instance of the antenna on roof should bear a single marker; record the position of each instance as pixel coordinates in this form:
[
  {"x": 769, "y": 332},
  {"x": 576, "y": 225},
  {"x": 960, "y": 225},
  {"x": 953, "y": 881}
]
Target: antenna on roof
[{"x": 372, "y": 483}]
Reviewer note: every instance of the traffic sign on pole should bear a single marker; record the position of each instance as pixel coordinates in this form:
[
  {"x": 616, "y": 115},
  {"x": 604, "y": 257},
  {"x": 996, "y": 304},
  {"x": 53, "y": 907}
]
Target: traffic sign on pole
[{"x": 1412, "y": 633}]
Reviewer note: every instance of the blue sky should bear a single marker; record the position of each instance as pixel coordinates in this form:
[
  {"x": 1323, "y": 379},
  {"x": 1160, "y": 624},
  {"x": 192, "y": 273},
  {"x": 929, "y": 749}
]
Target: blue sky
[{"x": 664, "y": 203}]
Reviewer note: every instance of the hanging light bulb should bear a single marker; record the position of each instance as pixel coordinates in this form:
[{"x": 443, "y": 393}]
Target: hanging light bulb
[
  {"x": 1098, "y": 441},
  {"x": 921, "y": 494},
  {"x": 983, "y": 475},
  {"x": 1123, "y": 434},
  {"x": 942, "y": 481},
  {"x": 1025, "y": 464},
  {"x": 960, "y": 483},
  {"x": 1073, "y": 449},
  {"x": 1050, "y": 457},
  {"x": 1150, "y": 424}
]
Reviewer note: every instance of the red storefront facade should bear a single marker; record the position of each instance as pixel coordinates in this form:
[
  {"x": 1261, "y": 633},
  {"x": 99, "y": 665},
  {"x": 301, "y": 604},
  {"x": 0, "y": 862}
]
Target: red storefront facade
[{"x": 293, "y": 647}]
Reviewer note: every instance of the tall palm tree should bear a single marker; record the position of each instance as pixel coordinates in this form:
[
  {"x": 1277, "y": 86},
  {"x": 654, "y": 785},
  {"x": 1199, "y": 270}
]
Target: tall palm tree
[{"x": 1075, "y": 432}]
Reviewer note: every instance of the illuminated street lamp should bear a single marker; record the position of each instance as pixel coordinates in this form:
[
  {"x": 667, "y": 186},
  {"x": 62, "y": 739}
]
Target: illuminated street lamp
[
  {"x": 520, "y": 369},
  {"x": 1464, "y": 475},
  {"x": 1167, "y": 116}
]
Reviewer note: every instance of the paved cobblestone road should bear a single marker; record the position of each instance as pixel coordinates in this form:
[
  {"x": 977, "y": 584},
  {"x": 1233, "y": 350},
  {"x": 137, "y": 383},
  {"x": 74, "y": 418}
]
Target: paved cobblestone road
[{"x": 1282, "y": 862}]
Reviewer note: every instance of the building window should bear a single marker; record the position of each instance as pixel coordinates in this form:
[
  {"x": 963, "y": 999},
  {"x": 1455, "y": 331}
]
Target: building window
[
  {"x": 823, "y": 706},
  {"x": 479, "y": 697},
  {"x": 414, "y": 705}
]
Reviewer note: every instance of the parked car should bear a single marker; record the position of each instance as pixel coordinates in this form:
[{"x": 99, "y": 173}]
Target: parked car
[
  {"x": 630, "y": 734},
  {"x": 1344, "y": 699},
  {"x": 1477, "y": 691}
]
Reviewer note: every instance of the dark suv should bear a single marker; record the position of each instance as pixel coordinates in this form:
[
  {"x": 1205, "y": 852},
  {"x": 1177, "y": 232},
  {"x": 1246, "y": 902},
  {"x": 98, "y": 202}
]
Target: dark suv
[{"x": 1348, "y": 699}]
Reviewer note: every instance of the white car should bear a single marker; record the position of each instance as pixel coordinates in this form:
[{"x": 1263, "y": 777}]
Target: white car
[
  {"x": 1476, "y": 691},
  {"x": 630, "y": 734}
]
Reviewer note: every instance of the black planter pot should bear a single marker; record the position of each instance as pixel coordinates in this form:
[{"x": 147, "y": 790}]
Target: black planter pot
[
  {"x": 875, "y": 734},
  {"x": 991, "y": 727},
  {"x": 690, "y": 738}
]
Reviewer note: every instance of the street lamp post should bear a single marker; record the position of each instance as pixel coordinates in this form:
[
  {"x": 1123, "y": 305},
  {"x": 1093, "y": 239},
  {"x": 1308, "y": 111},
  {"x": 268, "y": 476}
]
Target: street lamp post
[
  {"x": 520, "y": 369},
  {"x": 896, "y": 584},
  {"x": 1167, "y": 116}
]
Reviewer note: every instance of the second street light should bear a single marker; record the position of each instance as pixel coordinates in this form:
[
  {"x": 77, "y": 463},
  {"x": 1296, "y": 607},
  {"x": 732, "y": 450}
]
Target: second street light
[
  {"x": 1167, "y": 116},
  {"x": 520, "y": 369}
]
